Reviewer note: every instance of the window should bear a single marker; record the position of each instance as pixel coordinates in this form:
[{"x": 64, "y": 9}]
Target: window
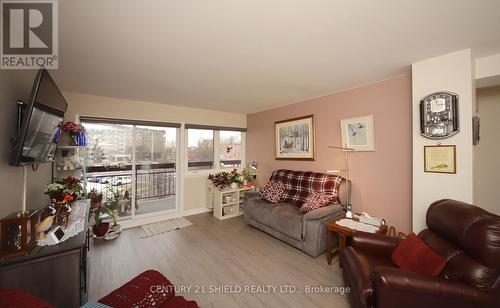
[
  {"x": 230, "y": 149},
  {"x": 132, "y": 165},
  {"x": 155, "y": 145},
  {"x": 110, "y": 144},
  {"x": 214, "y": 147},
  {"x": 200, "y": 149}
]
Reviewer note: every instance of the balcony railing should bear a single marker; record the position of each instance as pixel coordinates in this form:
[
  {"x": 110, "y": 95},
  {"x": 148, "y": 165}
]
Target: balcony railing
[
  {"x": 153, "y": 181},
  {"x": 155, "y": 184}
]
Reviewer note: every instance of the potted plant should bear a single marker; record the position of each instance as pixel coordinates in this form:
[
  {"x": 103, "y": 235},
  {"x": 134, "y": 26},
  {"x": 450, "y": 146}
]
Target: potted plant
[
  {"x": 121, "y": 201},
  {"x": 100, "y": 228},
  {"x": 114, "y": 227},
  {"x": 97, "y": 208},
  {"x": 55, "y": 192},
  {"x": 248, "y": 177},
  {"x": 62, "y": 193},
  {"x": 236, "y": 178},
  {"x": 220, "y": 180},
  {"x": 72, "y": 186},
  {"x": 62, "y": 189},
  {"x": 94, "y": 196}
]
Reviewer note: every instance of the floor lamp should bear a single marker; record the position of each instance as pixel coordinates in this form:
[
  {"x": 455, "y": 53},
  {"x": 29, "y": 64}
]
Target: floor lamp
[{"x": 346, "y": 172}]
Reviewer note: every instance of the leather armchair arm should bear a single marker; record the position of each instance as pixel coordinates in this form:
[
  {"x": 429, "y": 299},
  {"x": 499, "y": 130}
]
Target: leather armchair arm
[
  {"x": 395, "y": 287},
  {"x": 373, "y": 243}
]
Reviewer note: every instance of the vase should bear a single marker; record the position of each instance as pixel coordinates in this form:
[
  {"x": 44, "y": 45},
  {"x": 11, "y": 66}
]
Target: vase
[
  {"x": 234, "y": 185},
  {"x": 101, "y": 230},
  {"x": 73, "y": 140}
]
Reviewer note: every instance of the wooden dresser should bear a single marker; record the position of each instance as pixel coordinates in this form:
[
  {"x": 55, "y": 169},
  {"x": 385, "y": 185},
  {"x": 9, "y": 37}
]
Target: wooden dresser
[{"x": 58, "y": 274}]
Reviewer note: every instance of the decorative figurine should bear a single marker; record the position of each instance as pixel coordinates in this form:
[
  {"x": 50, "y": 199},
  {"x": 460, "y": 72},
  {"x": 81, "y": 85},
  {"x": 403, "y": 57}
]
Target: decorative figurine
[{"x": 45, "y": 223}]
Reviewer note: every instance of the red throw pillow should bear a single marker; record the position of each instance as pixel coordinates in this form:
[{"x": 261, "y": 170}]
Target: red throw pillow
[
  {"x": 315, "y": 201},
  {"x": 272, "y": 192},
  {"x": 413, "y": 254},
  {"x": 14, "y": 298},
  {"x": 148, "y": 289}
]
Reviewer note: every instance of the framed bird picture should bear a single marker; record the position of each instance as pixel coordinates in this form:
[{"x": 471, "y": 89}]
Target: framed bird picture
[{"x": 358, "y": 134}]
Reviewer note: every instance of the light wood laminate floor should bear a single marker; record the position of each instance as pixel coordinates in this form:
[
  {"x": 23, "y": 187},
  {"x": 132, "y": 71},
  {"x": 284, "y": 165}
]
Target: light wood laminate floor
[{"x": 212, "y": 255}]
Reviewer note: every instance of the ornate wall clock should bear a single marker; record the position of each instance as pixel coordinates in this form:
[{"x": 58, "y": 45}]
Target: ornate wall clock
[{"x": 439, "y": 115}]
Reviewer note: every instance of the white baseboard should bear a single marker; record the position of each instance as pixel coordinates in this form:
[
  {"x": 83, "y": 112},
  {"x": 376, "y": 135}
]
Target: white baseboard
[
  {"x": 127, "y": 224},
  {"x": 195, "y": 211}
]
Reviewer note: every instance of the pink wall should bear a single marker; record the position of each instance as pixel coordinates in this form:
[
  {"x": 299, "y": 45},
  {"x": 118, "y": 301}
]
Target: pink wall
[{"x": 381, "y": 179}]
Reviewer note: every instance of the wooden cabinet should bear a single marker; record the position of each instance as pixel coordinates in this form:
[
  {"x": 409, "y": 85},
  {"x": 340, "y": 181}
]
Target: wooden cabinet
[
  {"x": 58, "y": 274},
  {"x": 228, "y": 202}
]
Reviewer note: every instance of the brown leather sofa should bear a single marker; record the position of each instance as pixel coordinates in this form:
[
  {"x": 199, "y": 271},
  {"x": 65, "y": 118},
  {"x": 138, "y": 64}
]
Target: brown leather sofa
[{"x": 467, "y": 236}]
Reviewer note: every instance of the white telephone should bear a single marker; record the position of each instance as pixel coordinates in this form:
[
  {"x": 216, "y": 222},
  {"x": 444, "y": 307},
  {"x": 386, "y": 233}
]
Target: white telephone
[{"x": 367, "y": 219}]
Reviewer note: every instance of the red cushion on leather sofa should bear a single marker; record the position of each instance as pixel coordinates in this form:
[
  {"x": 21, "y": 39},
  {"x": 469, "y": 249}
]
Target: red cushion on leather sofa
[{"x": 414, "y": 255}]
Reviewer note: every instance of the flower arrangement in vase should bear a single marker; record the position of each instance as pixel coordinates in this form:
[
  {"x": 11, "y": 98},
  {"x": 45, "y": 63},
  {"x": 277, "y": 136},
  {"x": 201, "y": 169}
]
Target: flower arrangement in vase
[
  {"x": 77, "y": 133},
  {"x": 62, "y": 193},
  {"x": 100, "y": 228},
  {"x": 97, "y": 208},
  {"x": 236, "y": 178},
  {"x": 65, "y": 190},
  {"x": 248, "y": 177}
]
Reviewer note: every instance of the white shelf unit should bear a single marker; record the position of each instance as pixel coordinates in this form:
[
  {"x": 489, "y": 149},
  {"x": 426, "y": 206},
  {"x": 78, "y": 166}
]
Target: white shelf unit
[
  {"x": 76, "y": 162},
  {"x": 227, "y": 202}
]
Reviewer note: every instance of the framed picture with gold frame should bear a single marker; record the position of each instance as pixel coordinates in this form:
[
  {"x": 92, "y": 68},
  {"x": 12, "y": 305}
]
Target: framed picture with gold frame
[
  {"x": 294, "y": 138},
  {"x": 440, "y": 159}
]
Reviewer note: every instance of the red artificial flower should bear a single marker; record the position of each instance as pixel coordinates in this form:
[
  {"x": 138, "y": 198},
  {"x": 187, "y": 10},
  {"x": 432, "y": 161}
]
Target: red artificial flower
[
  {"x": 72, "y": 127},
  {"x": 68, "y": 198},
  {"x": 95, "y": 207}
]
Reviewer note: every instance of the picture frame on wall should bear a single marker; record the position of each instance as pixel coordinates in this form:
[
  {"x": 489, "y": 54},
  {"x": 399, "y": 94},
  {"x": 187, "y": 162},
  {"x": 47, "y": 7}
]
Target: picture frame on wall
[
  {"x": 294, "y": 138},
  {"x": 358, "y": 133},
  {"x": 440, "y": 159}
]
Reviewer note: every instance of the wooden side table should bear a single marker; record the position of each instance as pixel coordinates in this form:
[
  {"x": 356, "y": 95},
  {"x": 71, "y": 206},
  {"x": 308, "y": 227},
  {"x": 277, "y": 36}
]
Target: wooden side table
[{"x": 343, "y": 233}]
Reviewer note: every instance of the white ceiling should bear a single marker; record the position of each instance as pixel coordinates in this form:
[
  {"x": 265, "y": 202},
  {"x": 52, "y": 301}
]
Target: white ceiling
[{"x": 251, "y": 55}]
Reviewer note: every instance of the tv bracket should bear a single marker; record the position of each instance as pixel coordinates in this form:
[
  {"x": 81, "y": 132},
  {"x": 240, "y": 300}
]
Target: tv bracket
[{"x": 20, "y": 106}]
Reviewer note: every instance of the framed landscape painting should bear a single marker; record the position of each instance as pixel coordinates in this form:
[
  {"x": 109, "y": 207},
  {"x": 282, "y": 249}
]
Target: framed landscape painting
[
  {"x": 357, "y": 133},
  {"x": 294, "y": 138}
]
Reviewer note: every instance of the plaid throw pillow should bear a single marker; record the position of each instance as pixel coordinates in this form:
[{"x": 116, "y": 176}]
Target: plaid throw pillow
[
  {"x": 272, "y": 192},
  {"x": 315, "y": 201}
]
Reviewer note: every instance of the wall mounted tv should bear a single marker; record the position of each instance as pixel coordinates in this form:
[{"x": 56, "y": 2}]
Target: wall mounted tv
[{"x": 40, "y": 119}]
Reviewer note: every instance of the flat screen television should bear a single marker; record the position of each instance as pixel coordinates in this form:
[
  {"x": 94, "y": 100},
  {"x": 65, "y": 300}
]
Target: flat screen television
[{"x": 41, "y": 117}]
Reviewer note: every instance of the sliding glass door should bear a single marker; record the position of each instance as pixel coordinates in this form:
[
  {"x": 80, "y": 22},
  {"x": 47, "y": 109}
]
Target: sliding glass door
[
  {"x": 109, "y": 165},
  {"x": 134, "y": 167},
  {"x": 155, "y": 162}
]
